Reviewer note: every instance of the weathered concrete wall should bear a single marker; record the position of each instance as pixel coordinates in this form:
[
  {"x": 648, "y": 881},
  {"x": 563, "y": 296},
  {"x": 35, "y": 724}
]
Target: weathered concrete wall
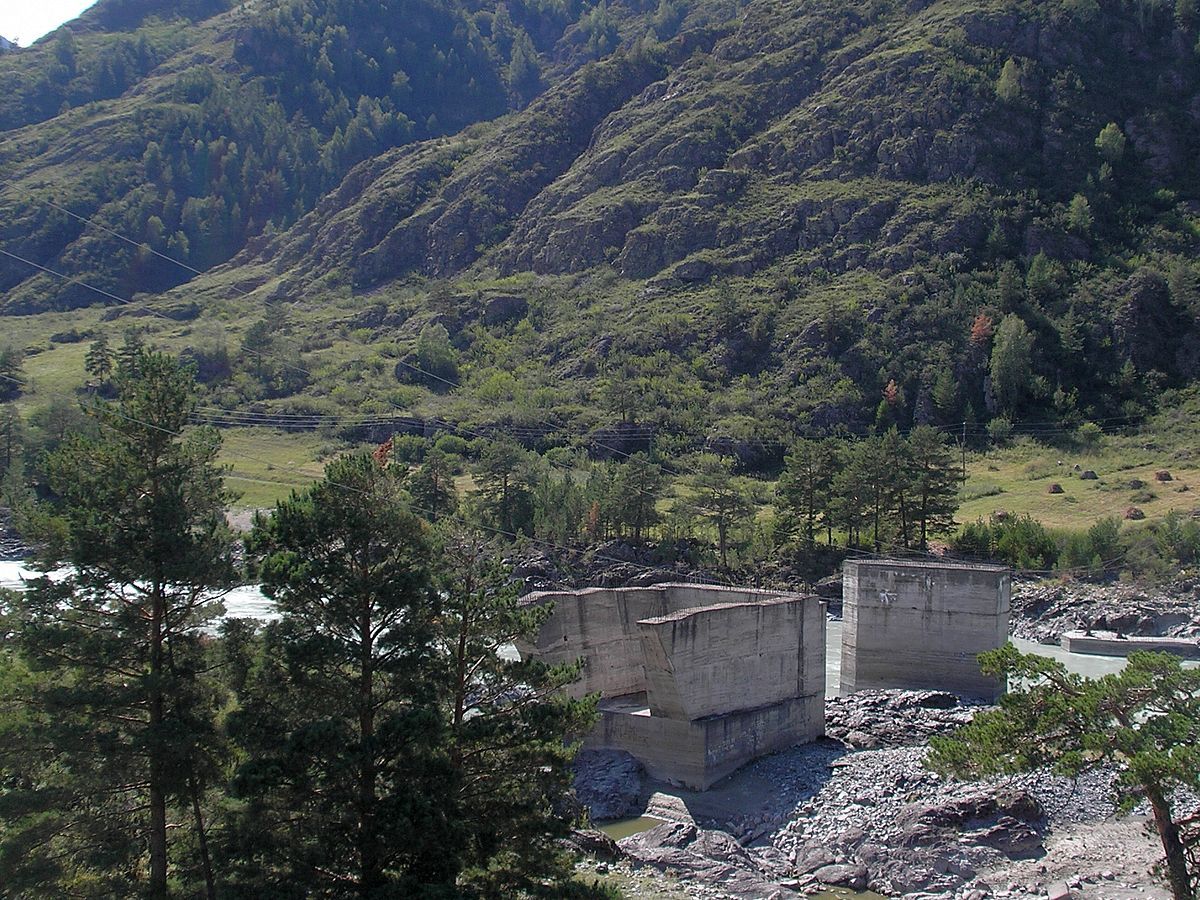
[
  {"x": 599, "y": 626},
  {"x": 922, "y": 625},
  {"x": 697, "y": 754},
  {"x": 1111, "y": 645},
  {"x": 696, "y": 680},
  {"x": 717, "y": 659}
]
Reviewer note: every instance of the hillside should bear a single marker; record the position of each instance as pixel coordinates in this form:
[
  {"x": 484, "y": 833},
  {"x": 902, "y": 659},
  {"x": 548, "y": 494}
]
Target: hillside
[{"x": 723, "y": 221}]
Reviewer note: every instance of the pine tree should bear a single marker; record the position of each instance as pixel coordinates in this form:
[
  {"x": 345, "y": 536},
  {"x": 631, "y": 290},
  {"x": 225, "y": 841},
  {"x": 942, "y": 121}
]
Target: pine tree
[
  {"x": 934, "y": 482},
  {"x": 806, "y": 482},
  {"x": 505, "y": 485},
  {"x": 99, "y": 360},
  {"x": 946, "y": 395},
  {"x": 1012, "y": 364},
  {"x": 12, "y": 374},
  {"x": 1143, "y": 721},
  {"x": 114, "y": 650},
  {"x": 511, "y": 723},
  {"x": 432, "y": 486},
  {"x": 1008, "y": 85},
  {"x": 718, "y": 496},
  {"x": 634, "y": 492},
  {"x": 346, "y": 779},
  {"x": 12, "y": 437},
  {"x": 850, "y": 498},
  {"x": 894, "y": 469}
]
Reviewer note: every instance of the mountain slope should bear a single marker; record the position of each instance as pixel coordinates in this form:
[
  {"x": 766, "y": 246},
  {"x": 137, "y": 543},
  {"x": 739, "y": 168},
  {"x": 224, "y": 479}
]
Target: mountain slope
[
  {"x": 738, "y": 220},
  {"x": 194, "y": 129}
]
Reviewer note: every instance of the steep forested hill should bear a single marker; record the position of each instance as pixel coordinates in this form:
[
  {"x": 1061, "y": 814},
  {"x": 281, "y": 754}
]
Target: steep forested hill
[{"x": 722, "y": 218}]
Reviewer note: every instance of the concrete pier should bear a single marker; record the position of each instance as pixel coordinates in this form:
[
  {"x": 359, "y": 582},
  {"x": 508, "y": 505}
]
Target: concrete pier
[
  {"x": 695, "y": 681},
  {"x": 921, "y": 624}
]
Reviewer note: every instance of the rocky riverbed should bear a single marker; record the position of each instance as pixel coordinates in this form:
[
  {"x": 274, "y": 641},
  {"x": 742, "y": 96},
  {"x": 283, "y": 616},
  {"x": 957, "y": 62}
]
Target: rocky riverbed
[
  {"x": 859, "y": 810},
  {"x": 1042, "y": 611}
]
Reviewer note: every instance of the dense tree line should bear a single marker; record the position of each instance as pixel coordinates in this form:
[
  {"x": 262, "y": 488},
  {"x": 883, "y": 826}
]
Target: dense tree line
[
  {"x": 887, "y": 491},
  {"x": 371, "y": 742}
]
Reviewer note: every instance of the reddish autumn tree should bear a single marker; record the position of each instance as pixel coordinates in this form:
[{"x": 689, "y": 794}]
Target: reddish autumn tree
[{"x": 981, "y": 330}]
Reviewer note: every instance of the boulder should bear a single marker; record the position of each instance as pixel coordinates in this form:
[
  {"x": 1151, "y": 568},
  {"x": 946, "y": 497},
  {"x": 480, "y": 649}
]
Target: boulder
[
  {"x": 594, "y": 843},
  {"x": 609, "y": 784},
  {"x": 502, "y": 308},
  {"x": 1011, "y": 837},
  {"x": 810, "y": 859},
  {"x": 851, "y": 875}
]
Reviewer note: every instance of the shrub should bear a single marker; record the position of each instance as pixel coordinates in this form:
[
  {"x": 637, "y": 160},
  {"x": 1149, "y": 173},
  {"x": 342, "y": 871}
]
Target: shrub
[
  {"x": 999, "y": 431},
  {"x": 452, "y": 444},
  {"x": 1089, "y": 434},
  {"x": 409, "y": 448},
  {"x": 1022, "y": 542}
]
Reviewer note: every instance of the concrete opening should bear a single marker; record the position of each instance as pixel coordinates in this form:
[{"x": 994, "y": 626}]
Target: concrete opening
[
  {"x": 695, "y": 681},
  {"x": 919, "y": 624}
]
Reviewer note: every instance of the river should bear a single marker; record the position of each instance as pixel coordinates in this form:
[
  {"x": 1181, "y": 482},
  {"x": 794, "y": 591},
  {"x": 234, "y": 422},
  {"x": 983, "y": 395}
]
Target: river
[{"x": 245, "y": 602}]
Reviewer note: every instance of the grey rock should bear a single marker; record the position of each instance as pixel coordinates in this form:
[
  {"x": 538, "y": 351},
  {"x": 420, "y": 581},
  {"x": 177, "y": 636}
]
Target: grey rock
[
  {"x": 609, "y": 783},
  {"x": 812, "y": 858},
  {"x": 851, "y": 875},
  {"x": 593, "y": 842},
  {"x": 502, "y": 308}
]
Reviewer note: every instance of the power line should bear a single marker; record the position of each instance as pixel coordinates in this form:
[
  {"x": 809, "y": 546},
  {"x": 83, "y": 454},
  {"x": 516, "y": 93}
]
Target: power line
[
  {"x": 306, "y": 372},
  {"x": 893, "y": 549},
  {"x": 139, "y": 244},
  {"x": 247, "y": 417}
]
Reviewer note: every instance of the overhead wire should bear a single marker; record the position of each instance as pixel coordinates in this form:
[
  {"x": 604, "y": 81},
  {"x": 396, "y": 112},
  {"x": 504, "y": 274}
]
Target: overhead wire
[
  {"x": 248, "y": 417},
  {"x": 974, "y": 429},
  {"x": 893, "y": 549}
]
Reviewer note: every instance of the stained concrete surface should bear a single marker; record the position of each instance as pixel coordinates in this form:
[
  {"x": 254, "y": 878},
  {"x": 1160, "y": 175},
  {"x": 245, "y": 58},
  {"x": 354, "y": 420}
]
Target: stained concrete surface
[
  {"x": 695, "y": 680},
  {"x": 922, "y": 625}
]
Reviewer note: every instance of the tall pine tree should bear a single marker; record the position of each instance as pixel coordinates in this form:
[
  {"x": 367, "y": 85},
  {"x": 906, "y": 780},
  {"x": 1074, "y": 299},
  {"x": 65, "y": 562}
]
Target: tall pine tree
[
  {"x": 123, "y": 736},
  {"x": 347, "y": 780},
  {"x": 511, "y": 722},
  {"x": 934, "y": 482}
]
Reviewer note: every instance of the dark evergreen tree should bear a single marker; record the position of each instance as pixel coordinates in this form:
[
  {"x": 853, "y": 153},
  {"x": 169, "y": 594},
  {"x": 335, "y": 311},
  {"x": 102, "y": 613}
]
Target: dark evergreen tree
[
  {"x": 99, "y": 360},
  {"x": 505, "y": 479},
  {"x": 934, "y": 480},
  {"x": 432, "y": 486},
  {"x": 511, "y": 726},
  {"x": 718, "y": 496},
  {"x": 123, "y": 732},
  {"x": 12, "y": 374},
  {"x": 347, "y": 782},
  {"x": 806, "y": 484},
  {"x": 12, "y": 437},
  {"x": 635, "y": 490}
]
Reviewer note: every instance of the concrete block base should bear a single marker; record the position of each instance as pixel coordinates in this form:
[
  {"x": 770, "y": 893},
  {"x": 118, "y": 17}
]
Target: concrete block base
[{"x": 697, "y": 754}]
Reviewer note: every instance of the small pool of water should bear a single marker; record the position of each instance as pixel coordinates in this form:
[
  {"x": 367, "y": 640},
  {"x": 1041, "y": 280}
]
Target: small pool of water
[{"x": 622, "y": 828}]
